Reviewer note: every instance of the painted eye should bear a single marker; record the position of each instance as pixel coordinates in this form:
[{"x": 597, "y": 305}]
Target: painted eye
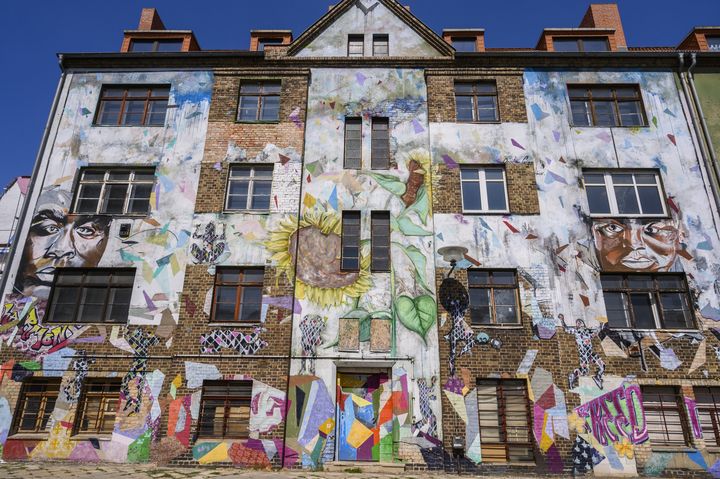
[
  {"x": 611, "y": 228},
  {"x": 85, "y": 231}
]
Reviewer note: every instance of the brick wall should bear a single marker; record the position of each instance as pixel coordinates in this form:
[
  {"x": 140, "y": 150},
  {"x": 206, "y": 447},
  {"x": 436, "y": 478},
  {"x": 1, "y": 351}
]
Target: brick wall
[{"x": 441, "y": 93}]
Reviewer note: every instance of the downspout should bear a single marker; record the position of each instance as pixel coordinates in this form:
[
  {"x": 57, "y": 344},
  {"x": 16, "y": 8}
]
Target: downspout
[
  {"x": 33, "y": 182},
  {"x": 696, "y": 117},
  {"x": 701, "y": 116}
]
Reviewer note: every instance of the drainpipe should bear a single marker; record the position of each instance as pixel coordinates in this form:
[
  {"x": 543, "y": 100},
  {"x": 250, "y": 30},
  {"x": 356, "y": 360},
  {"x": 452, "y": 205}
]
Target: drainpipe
[
  {"x": 698, "y": 122},
  {"x": 34, "y": 184}
]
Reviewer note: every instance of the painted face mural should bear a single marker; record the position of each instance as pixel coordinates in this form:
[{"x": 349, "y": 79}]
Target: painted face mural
[
  {"x": 55, "y": 240},
  {"x": 633, "y": 245}
]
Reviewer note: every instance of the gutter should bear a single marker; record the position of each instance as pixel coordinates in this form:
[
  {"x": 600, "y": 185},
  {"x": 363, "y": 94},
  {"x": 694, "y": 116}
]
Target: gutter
[
  {"x": 22, "y": 224},
  {"x": 701, "y": 115}
]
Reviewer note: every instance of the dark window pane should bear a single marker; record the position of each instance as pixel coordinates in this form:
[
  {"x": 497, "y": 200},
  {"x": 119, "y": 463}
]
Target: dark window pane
[
  {"x": 605, "y": 113},
  {"x": 598, "y": 199},
  {"x": 496, "y": 196},
  {"x": 478, "y": 277},
  {"x": 565, "y": 44},
  {"x": 626, "y": 200},
  {"x": 140, "y": 198},
  {"x": 156, "y": 112},
  {"x": 471, "y": 196},
  {"x": 487, "y": 108},
  {"x": 581, "y": 113},
  {"x": 114, "y": 200},
  {"x": 170, "y": 45},
  {"x": 650, "y": 200},
  {"x": 463, "y": 44},
  {"x": 640, "y": 281},
  {"x": 248, "y": 110},
  {"x": 134, "y": 112},
  {"x": 270, "y": 108},
  {"x": 630, "y": 114},
  {"x": 676, "y": 311},
  {"x": 109, "y": 112},
  {"x": 503, "y": 277},
  {"x": 616, "y": 309},
  {"x": 595, "y": 44},
  {"x": 469, "y": 173},
  {"x": 643, "y": 312},
  {"x": 142, "y": 46}
]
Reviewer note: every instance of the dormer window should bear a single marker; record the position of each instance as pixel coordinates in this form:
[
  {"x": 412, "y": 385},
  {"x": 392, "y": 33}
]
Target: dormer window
[
  {"x": 262, "y": 42},
  {"x": 713, "y": 43},
  {"x": 584, "y": 44},
  {"x": 464, "y": 44},
  {"x": 164, "y": 45},
  {"x": 381, "y": 46},
  {"x": 356, "y": 45}
]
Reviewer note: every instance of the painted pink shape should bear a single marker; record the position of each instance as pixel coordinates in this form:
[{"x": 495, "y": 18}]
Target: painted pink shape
[
  {"x": 516, "y": 144},
  {"x": 671, "y": 137}
]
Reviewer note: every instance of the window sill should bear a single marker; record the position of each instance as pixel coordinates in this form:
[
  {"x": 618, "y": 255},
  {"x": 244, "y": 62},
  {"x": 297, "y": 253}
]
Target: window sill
[
  {"x": 498, "y": 326},
  {"x": 117, "y": 216},
  {"x": 86, "y": 436},
  {"x": 459, "y": 122},
  {"x": 673, "y": 449},
  {"x": 30, "y": 435},
  {"x": 257, "y": 122},
  {"x": 609, "y": 126},
  {"x": 236, "y": 324},
  {"x": 646, "y": 330},
  {"x": 71, "y": 323},
  {"x": 252, "y": 212},
  {"x": 644, "y": 217},
  {"x": 493, "y": 213},
  {"x": 128, "y": 126}
]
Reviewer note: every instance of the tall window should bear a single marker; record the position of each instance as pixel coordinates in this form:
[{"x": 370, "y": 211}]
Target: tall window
[
  {"x": 493, "y": 297},
  {"x": 624, "y": 193},
  {"x": 380, "y": 240},
  {"x": 476, "y": 101},
  {"x": 225, "y": 409},
  {"x": 157, "y": 45},
  {"x": 583, "y": 44},
  {"x": 380, "y": 158},
  {"x": 464, "y": 44},
  {"x": 647, "y": 301},
  {"x": 36, "y": 404},
  {"x": 238, "y": 294},
  {"x": 606, "y": 105},
  {"x": 98, "y": 295},
  {"x": 708, "y": 408},
  {"x": 121, "y": 191},
  {"x": 98, "y": 406},
  {"x": 133, "y": 105},
  {"x": 249, "y": 187},
  {"x": 356, "y": 45},
  {"x": 483, "y": 189},
  {"x": 259, "y": 101},
  {"x": 381, "y": 46},
  {"x": 504, "y": 419},
  {"x": 353, "y": 143},
  {"x": 663, "y": 414},
  {"x": 350, "y": 240}
]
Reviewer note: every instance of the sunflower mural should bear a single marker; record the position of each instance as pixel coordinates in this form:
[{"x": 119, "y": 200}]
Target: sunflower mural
[{"x": 318, "y": 276}]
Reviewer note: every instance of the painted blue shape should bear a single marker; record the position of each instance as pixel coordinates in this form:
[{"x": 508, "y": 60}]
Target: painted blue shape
[
  {"x": 556, "y": 135},
  {"x": 554, "y": 178},
  {"x": 667, "y": 111},
  {"x": 365, "y": 415},
  {"x": 537, "y": 111},
  {"x": 659, "y": 164},
  {"x": 440, "y": 237},
  {"x": 333, "y": 200},
  {"x": 697, "y": 458},
  {"x": 709, "y": 312},
  {"x": 183, "y": 238},
  {"x": 346, "y": 418},
  {"x": 613, "y": 458}
]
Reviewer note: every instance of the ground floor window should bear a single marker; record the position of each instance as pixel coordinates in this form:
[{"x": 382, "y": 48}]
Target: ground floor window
[
  {"x": 225, "y": 409},
  {"x": 708, "y": 408},
  {"x": 36, "y": 404},
  {"x": 504, "y": 419}
]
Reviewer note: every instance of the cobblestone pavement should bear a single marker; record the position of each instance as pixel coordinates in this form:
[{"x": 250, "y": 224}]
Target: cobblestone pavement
[{"x": 65, "y": 470}]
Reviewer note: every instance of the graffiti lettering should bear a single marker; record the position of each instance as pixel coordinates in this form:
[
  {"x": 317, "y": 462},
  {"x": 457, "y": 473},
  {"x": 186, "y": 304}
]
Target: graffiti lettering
[{"x": 615, "y": 414}]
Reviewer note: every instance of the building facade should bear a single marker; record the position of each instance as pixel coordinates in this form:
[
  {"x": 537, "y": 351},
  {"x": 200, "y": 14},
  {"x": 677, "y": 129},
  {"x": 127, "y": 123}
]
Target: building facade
[
  {"x": 11, "y": 205},
  {"x": 372, "y": 243}
]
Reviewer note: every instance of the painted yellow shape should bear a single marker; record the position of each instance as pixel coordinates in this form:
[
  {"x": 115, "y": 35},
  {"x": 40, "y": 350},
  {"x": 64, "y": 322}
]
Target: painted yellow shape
[
  {"x": 218, "y": 454},
  {"x": 327, "y": 426},
  {"x": 458, "y": 404},
  {"x": 359, "y": 433},
  {"x": 361, "y": 402},
  {"x": 177, "y": 382},
  {"x": 545, "y": 440},
  {"x": 309, "y": 201}
]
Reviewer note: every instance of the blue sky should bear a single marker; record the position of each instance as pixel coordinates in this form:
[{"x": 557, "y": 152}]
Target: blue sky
[{"x": 33, "y": 31}]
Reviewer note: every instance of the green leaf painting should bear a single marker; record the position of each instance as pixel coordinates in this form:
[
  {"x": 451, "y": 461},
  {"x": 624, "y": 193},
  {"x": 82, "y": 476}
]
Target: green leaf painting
[
  {"x": 417, "y": 315},
  {"x": 389, "y": 182},
  {"x": 405, "y": 225},
  {"x": 418, "y": 260},
  {"x": 421, "y": 205}
]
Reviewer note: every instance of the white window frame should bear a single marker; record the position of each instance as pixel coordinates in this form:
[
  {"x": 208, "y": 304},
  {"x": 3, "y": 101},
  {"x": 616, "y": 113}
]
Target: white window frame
[
  {"x": 251, "y": 186},
  {"x": 612, "y": 199},
  {"x": 130, "y": 182},
  {"x": 483, "y": 188}
]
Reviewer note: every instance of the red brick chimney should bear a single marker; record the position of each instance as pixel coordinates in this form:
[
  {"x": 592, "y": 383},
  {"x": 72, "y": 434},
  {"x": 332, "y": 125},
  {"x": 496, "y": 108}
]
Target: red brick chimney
[
  {"x": 150, "y": 20},
  {"x": 605, "y": 15}
]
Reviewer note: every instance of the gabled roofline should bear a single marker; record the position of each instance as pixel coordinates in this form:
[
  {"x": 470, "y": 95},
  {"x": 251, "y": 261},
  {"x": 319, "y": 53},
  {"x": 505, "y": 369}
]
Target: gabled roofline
[{"x": 335, "y": 12}]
